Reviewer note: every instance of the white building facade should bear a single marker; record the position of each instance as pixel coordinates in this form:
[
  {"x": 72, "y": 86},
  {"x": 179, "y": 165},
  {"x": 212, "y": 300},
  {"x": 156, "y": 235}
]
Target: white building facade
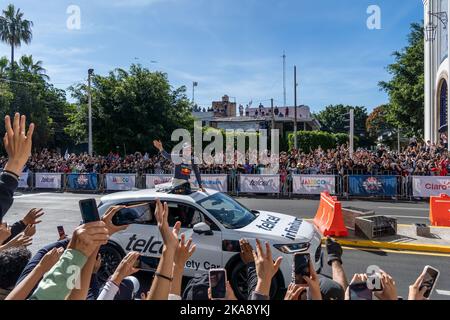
[{"x": 437, "y": 72}]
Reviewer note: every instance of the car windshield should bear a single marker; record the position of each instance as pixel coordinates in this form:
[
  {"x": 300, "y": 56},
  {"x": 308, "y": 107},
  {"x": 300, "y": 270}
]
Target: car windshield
[{"x": 228, "y": 211}]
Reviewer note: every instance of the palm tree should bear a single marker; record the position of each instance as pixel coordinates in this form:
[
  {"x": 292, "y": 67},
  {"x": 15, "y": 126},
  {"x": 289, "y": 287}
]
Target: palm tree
[
  {"x": 14, "y": 29},
  {"x": 28, "y": 65},
  {"x": 4, "y": 67}
]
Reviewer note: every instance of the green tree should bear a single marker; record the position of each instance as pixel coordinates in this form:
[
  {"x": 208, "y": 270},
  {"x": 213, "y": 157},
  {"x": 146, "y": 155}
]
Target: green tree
[
  {"x": 27, "y": 64},
  {"x": 405, "y": 89},
  {"x": 130, "y": 108},
  {"x": 377, "y": 123},
  {"x": 14, "y": 29},
  {"x": 334, "y": 119}
]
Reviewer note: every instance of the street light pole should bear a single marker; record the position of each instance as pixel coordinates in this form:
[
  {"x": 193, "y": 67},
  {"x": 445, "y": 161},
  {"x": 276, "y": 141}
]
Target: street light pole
[
  {"x": 295, "y": 107},
  {"x": 90, "y": 147},
  {"x": 194, "y": 84},
  {"x": 273, "y": 116}
]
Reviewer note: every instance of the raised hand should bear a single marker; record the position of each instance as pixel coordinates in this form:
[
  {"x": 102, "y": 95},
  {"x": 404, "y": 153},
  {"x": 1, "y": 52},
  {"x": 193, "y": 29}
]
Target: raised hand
[
  {"x": 50, "y": 259},
  {"x": 158, "y": 145},
  {"x": 30, "y": 230},
  {"x": 21, "y": 240},
  {"x": 107, "y": 219},
  {"x": 313, "y": 283},
  {"x": 185, "y": 250},
  {"x": 87, "y": 237},
  {"x": 389, "y": 291},
  {"x": 17, "y": 143},
  {"x": 32, "y": 216},
  {"x": 170, "y": 237},
  {"x": 126, "y": 268},
  {"x": 415, "y": 293},
  {"x": 293, "y": 292},
  {"x": 5, "y": 232},
  {"x": 246, "y": 251},
  {"x": 265, "y": 267}
]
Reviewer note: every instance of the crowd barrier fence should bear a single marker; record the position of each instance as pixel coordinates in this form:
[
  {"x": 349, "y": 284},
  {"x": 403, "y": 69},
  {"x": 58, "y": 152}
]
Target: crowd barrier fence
[{"x": 281, "y": 185}]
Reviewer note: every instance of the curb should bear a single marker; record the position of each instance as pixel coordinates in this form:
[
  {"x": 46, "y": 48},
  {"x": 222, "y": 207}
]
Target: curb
[{"x": 393, "y": 245}]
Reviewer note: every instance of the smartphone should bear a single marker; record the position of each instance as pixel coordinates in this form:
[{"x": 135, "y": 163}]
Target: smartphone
[
  {"x": 430, "y": 279},
  {"x": 146, "y": 263},
  {"x": 218, "y": 283},
  {"x": 89, "y": 212},
  {"x": 137, "y": 213},
  {"x": 61, "y": 231},
  {"x": 360, "y": 291},
  {"x": 301, "y": 267}
]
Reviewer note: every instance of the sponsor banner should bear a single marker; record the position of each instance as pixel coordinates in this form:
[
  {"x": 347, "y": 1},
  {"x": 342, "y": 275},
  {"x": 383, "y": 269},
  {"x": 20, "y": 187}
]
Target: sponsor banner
[
  {"x": 310, "y": 184},
  {"x": 23, "y": 180},
  {"x": 82, "y": 181},
  {"x": 430, "y": 186},
  {"x": 48, "y": 180},
  {"x": 152, "y": 180},
  {"x": 120, "y": 181},
  {"x": 212, "y": 181},
  {"x": 372, "y": 185},
  {"x": 259, "y": 183}
]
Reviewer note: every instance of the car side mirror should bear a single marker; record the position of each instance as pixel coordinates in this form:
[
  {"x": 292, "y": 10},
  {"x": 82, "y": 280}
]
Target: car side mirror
[{"x": 202, "y": 228}]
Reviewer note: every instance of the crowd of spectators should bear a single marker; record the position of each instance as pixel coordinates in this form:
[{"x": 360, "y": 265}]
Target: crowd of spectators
[
  {"x": 68, "y": 268},
  {"x": 426, "y": 159}
]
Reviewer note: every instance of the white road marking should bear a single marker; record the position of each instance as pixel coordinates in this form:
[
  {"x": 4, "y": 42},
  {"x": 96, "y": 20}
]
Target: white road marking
[
  {"x": 443, "y": 292},
  {"x": 408, "y": 217},
  {"x": 31, "y": 195},
  {"x": 405, "y": 208}
]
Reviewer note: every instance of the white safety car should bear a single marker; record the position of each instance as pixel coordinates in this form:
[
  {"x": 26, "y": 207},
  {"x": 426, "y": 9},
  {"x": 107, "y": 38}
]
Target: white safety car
[{"x": 215, "y": 222}]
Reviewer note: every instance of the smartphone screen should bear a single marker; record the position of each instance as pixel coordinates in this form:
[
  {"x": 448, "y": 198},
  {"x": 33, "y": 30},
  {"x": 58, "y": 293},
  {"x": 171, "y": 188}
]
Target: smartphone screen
[
  {"x": 359, "y": 291},
  {"x": 217, "y": 283},
  {"x": 89, "y": 212},
  {"x": 146, "y": 263},
  {"x": 61, "y": 231},
  {"x": 429, "y": 281},
  {"x": 138, "y": 213},
  {"x": 301, "y": 267}
]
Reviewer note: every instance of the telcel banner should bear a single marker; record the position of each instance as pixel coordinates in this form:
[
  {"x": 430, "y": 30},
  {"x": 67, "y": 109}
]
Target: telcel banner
[
  {"x": 48, "y": 180},
  {"x": 372, "y": 185},
  {"x": 430, "y": 186},
  {"x": 120, "y": 181},
  {"x": 82, "y": 181},
  {"x": 23, "y": 180},
  {"x": 212, "y": 181},
  {"x": 306, "y": 184},
  {"x": 152, "y": 180},
  {"x": 259, "y": 183}
]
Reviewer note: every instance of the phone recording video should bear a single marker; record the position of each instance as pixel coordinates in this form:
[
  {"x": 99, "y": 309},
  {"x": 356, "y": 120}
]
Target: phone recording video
[
  {"x": 429, "y": 281},
  {"x": 61, "y": 231},
  {"x": 218, "y": 283},
  {"x": 138, "y": 213},
  {"x": 301, "y": 267},
  {"x": 89, "y": 212},
  {"x": 360, "y": 291}
]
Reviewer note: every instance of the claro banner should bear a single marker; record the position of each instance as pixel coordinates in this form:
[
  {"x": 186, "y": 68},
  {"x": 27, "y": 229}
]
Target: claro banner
[
  {"x": 430, "y": 186},
  {"x": 48, "y": 180},
  {"x": 259, "y": 183},
  {"x": 116, "y": 182},
  {"x": 306, "y": 184}
]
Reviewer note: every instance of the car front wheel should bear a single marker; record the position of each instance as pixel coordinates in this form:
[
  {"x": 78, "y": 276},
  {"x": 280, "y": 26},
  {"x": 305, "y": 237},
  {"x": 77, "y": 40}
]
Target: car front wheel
[{"x": 111, "y": 258}]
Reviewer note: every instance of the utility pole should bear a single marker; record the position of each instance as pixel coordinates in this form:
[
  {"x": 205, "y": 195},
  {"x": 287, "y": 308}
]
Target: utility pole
[
  {"x": 90, "y": 147},
  {"x": 273, "y": 115},
  {"x": 352, "y": 131},
  {"x": 194, "y": 84},
  {"x": 295, "y": 107},
  {"x": 284, "y": 79}
]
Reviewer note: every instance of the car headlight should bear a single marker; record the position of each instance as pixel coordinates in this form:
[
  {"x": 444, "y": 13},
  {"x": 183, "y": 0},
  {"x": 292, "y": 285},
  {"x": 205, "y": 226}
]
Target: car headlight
[{"x": 292, "y": 248}]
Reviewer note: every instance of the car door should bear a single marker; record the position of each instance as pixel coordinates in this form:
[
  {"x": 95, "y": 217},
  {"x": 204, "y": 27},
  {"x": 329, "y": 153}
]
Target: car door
[
  {"x": 140, "y": 236},
  {"x": 208, "y": 252}
]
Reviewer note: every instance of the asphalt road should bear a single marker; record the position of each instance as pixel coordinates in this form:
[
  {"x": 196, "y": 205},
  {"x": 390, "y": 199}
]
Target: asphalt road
[{"x": 62, "y": 209}]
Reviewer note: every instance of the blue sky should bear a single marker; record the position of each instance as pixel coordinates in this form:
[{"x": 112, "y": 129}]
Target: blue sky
[{"x": 230, "y": 47}]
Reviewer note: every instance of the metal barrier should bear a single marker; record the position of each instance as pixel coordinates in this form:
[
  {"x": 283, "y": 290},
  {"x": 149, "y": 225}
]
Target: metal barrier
[{"x": 283, "y": 185}]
